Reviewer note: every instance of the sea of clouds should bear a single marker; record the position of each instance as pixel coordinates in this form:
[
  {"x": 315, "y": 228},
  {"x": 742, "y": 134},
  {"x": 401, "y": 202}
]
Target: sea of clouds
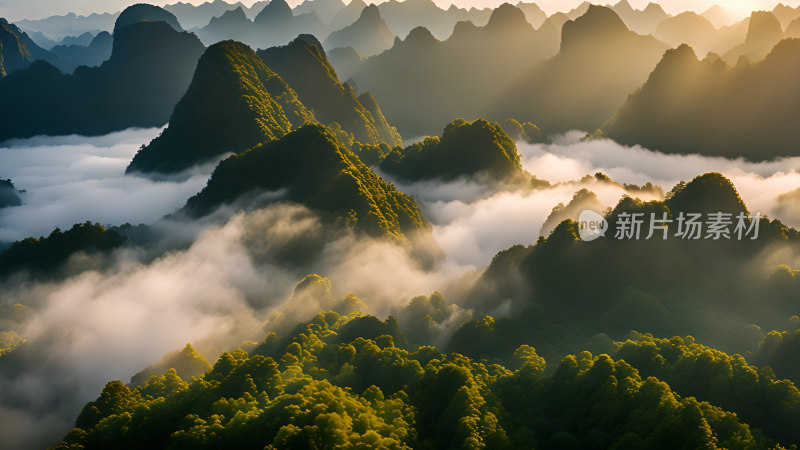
[{"x": 223, "y": 288}]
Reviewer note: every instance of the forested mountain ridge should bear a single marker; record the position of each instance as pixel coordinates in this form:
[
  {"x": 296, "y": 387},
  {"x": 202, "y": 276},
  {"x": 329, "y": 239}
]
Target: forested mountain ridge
[
  {"x": 304, "y": 65},
  {"x": 726, "y": 284},
  {"x": 465, "y": 149},
  {"x": 233, "y": 103},
  {"x": 316, "y": 170}
]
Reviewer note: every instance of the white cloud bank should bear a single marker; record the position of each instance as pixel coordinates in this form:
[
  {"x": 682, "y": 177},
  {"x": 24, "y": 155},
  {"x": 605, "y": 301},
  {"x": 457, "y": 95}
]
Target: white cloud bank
[{"x": 72, "y": 179}]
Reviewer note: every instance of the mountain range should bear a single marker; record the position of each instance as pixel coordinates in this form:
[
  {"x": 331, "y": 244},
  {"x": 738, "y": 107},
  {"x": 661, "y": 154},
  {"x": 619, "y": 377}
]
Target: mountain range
[
  {"x": 150, "y": 67},
  {"x": 95, "y": 53},
  {"x": 422, "y": 83},
  {"x": 275, "y": 24},
  {"x": 709, "y": 107},
  {"x": 236, "y": 101},
  {"x": 558, "y": 95}
]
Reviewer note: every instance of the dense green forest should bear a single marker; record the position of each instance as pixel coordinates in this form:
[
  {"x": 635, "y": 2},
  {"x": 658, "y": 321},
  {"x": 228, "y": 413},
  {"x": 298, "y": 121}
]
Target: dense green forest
[
  {"x": 316, "y": 170},
  {"x": 46, "y": 256},
  {"x": 353, "y": 381},
  {"x": 465, "y": 148}
]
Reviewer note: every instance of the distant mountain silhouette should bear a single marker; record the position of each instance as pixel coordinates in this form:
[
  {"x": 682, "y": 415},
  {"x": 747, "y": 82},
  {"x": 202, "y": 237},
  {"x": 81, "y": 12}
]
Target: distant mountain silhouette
[
  {"x": 763, "y": 32},
  {"x": 83, "y": 40},
  {"x": 275, "y": 24},
  {"x": 421, "y": 83},
  {"x": 700, "y": 33},
  {"x": 42, "y": 40},
  {"x": 233, "y": 24},
  {"x": 324, "y": 9},
  {"x": 404, "y": 16},
  {"x": 193, "y": 16},
  {"x": 579, "y": 10},
  {"x": 345, "y": 60},
  {"x": 233, "y": 103},
  {"x": 150, "y": 67},
  {"x": 465, "y": 149},
  {"x": 98, "y": 51},
  {"x": 557, "y": 21},
  {"x": 786, "y": 14},
  {"x": 793, "y": 29},
  {"x": 642, "y": 21},
  {"x": 143, "y": 12},
  {"x": 314, "y": 170},
  {"x": 533, "y": 13},
  {"x": 719, "y": 16},
  {"x": 369, "y": 35},
  {"x": 8, "y": 194},
  {"x": 599, "y": 64},
  {"x": 347, "y": 15},
  {"x": 305, "y": 67},
  {"x": 276, "y": 14},
  {"x": 711, "y": 108},
  {"x": 58, "y": 27},
  {"x": 687, "y": 28}
]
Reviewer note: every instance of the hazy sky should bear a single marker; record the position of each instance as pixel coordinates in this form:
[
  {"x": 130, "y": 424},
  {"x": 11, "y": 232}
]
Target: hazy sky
[{"x": 18, "y": 9}]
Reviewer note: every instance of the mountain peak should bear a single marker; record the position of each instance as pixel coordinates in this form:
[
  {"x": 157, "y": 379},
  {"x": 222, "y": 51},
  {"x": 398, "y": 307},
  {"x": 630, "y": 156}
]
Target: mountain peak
[
  {"x": 507, "y": 16},
  {"x": 233, "y": 103},
  {"x": 764, "y": 28},
  {"x": 369, "y": 34},
  {"x": 599, "y": 21},
  {"x": 465, "y": 149},
  {"x": 236, "y": 13},
  {"x": 276, "y": 11},
  {"x": 370, "y": 13},
  {"x": 309, "y": 39},
  {"x": 707, "y": 193},
  {"x": 654, "y": 8},
  {"x": 420, "y": 36},
  {"x": 142, "y": 12},
  {"x": 305, "y": 67},
  {"x": 623, "y": 6}
]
